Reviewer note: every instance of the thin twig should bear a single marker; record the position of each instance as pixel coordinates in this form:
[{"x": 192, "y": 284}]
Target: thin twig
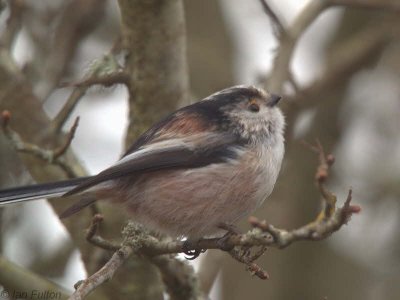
[
  {"x": 50, "y": 156},
  {"x": 244, "y": 257},
  {"x": 120, "y": 77},
  {"x": 70, "y": 136},
  {"x": 59, "y": 121},
  {"x": 97, "y": 240},
  {"x": 105, "y": 72}
]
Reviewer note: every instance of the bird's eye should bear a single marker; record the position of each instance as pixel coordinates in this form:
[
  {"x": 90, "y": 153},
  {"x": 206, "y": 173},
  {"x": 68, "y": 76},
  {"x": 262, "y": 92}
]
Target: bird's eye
[{"x": 254, "y": 107}]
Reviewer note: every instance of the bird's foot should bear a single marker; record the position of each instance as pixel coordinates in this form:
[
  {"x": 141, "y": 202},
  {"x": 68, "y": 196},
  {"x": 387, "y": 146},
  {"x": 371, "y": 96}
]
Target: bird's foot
[
  {"x": 230, "y": 231},
  {"x": 191, "y": 250}
]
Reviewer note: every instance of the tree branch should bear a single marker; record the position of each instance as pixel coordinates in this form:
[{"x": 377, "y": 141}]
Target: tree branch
[
  {"x": 78, "y": 19},
  {"x": 241, "y": 247},
  {"x": 107, "y": 272},
  {"x": 97, "y": 239},
  {"x": 107, "y": 80},
  {"x": 106, "y": 71},
  {"x": 209, "y": 268},
  {"x": 277, "y": 26},
  {"x": 281, "y": 68},
  {"x": 49, "y": 156},
  {"x": 179, "y": 278},
  {"x": 14, "y": 23},
  {"x": 349, "y": 58},
  {"x": 154, "y": 35},
  {"x": 154, "y": 41}
]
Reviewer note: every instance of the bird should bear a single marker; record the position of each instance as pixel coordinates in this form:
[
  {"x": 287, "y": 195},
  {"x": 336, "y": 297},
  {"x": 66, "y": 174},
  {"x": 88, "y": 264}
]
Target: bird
[{"x": 204, "y": 166}]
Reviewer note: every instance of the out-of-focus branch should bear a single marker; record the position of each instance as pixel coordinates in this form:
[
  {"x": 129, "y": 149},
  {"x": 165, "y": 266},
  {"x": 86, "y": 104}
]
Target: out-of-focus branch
[
  {"x": 281, "y": 68},
  {"x": 31, "y": 122},
  {"x": 77, "y": 20},
  {"x": 54, "y": 263},
  {"x": 18, "y": 280},
  {"x": 179, "y": 278},
  {"x": 14, "y": 21},
  {"x": 277, "y": 25},
  {"x": 350, "y": 57},
  {"x": 49, "y": 156},
  {"x": 209, "y": 269},
  {"x": 106, "y": 71},
  {"x": 154, "y": 36},
  {"x": 157, "y": 65},
  {"x": 154, "y": 40}
]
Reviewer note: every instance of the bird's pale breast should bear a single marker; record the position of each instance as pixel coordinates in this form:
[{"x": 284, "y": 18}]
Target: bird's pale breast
[{"x": 193, "y": 202}]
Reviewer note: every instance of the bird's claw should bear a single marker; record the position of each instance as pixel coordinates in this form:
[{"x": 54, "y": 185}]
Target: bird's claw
[
  {"x": 231, "y": 230},
  {"x": 189, "y": 248}
]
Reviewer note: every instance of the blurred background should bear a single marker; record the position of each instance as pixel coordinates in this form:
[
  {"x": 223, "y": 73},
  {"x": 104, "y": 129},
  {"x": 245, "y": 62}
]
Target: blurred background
[{"x": 344, "y": 90}]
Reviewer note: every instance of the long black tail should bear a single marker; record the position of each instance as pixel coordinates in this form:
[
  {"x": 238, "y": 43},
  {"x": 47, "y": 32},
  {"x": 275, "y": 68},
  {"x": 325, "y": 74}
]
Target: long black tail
[{"x": 38, "y": 191}]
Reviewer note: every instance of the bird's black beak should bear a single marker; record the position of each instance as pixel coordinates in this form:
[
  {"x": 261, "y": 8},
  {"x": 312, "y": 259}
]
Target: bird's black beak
[{"x": 273, "y": 100}]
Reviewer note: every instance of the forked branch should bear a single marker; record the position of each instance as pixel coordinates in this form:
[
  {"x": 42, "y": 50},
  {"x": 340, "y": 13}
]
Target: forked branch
[{"x": 245, "y": 248}]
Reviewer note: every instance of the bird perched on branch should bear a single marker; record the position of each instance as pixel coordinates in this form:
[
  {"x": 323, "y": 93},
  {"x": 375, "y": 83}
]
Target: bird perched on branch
[{"x": 204, "y": 166}]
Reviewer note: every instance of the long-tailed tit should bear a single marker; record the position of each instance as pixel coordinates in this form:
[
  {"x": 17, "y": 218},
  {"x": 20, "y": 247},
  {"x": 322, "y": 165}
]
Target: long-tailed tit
[{"x": 206, "y": 164}]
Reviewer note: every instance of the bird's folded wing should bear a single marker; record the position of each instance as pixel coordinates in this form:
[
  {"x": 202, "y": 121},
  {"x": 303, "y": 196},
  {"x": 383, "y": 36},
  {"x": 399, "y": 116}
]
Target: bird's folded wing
[{"x": 191, "y": 152}]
